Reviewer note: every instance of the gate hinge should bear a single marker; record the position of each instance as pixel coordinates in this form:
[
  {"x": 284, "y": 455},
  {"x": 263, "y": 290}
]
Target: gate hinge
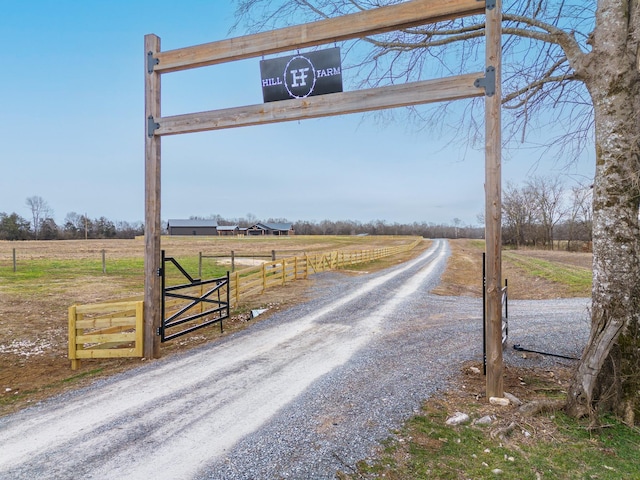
[
  {"x": 152, "y": 126},
  {"x": 489, "y": 5},
  {"x": 488, "y": 82},
  {"x": 151, "y": 62},
  {"x": 160, "y": 272},
  {"x": 158, "y": 331}
]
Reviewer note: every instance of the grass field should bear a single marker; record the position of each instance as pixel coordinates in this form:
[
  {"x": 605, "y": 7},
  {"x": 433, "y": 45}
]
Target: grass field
[
  {"x": 576, "y": 279},
  {"x": 531, "y": 274}
]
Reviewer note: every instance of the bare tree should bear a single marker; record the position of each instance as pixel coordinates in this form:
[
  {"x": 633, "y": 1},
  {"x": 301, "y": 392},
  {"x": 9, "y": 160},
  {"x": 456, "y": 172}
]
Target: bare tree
[
  {"x": 517, "y": 215},
  {"x": 251, "y": 219},
  {"x": 40, "y": 211},
  {"x": 546, "y": 194},
  {"x": 73, "y": 225},
  {"x": 580, "y": 217},
  {"x": 568, "y": 63},
  {"x": 456, "y": 223}
]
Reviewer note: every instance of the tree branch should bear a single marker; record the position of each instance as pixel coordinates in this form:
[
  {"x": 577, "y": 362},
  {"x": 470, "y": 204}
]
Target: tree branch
[
  {"x": 553, "y": 34},
  {"x": 537, "y": 84},
  {"x": 407, "y": 46}
]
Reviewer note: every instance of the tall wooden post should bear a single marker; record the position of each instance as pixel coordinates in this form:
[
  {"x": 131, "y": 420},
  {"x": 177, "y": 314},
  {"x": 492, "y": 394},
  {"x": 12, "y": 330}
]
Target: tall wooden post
[
  {"x": 152, "y": 228},
  {"x": 493, "y": 202}
]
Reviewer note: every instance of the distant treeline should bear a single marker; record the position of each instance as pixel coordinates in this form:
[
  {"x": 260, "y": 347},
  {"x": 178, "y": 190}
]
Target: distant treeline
[
  {"x": 574, "y": 231},
  {"x": 379, "y": 227},
  {"x": 75, "y": 226}
]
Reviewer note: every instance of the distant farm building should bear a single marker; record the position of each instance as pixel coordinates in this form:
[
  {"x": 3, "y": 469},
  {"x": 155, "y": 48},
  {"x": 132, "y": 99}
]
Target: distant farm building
[
  {"x": 271, "y": 229},
  {"x": 229, "y": 230},
  {"x": 192, "y": 227},
  {"x": 211, "y": 228}
]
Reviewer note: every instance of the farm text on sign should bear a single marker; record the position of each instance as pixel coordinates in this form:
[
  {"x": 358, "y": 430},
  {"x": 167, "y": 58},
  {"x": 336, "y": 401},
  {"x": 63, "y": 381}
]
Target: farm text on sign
[{"x": 302, "y": 75}]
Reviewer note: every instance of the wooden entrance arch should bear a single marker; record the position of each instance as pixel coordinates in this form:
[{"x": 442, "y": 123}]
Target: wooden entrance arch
[{"x": 384, "y": 19}]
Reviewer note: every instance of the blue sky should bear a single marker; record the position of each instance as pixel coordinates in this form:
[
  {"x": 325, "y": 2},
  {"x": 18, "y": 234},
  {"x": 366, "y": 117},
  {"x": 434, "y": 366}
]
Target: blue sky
[{"x": 72, "y": 130}]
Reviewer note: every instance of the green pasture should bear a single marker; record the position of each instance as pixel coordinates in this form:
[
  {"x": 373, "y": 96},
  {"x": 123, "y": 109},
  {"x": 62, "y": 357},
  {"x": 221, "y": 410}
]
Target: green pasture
[
  {"x": 577, "y": 279},
  {"x": 35, "y": 273},
  {"x": 45, "y": 275}
]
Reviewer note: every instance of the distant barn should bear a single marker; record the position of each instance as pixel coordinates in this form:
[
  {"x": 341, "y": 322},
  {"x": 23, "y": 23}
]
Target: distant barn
[
  {"x": 229, "y": 230},
  {"x": 192, "y": 227},
  {"x": 271, "y": 229}
]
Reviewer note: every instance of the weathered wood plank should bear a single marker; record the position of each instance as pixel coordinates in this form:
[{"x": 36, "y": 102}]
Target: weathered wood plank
[
  {"x": 356, "y": 25},
  {"x": 252, "y": 290},
  {"x": 249, "y": 285},
  {"x": 106, "y": 322},
  {"x": 152, "y": 197},
  {"x": 139, "y": 349},
  {"x": 113, "y": 337},
  {"x": 107, "y": 308},
  {"x": 493, "y": 206},
  {"x": 107, "y": 353},
  {"x": 72, "y": 318},
  {"x": 393, "y": 96},
  {"x": 105, "y": 331}
]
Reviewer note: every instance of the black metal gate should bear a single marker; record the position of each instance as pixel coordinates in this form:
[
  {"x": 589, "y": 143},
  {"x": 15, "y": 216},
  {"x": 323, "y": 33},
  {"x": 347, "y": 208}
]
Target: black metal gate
[{"x": 189, "y": 310}]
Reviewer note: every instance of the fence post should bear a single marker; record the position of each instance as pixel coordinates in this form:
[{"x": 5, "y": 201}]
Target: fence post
[
  {"x": 237, "y": 288},
  {"x": 199, "y": 264},
  {"x": 75, "y": 362},
  {"x": 273, "y": 255},
  {"x": 264, "y": 278},
  {"x": 14, "y": 261},
  {"x": 104, "y": 262},
  {"x": 233, "y": 261},
  {"x": 140, "y": 329},
  {"x": 284, "y": 271}
]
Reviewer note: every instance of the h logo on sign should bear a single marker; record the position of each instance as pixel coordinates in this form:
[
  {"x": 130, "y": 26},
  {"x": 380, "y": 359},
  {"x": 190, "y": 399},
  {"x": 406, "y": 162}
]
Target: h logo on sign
[{"x": 299, "y": 77}]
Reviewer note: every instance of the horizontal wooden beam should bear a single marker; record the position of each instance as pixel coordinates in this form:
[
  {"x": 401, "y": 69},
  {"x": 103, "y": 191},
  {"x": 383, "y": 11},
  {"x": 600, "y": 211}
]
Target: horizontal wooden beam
[
  {"x": 355, "y": 25},
  {"x": 393, "y": 96}
]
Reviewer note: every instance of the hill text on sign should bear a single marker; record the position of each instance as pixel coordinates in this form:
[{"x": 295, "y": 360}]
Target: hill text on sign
[{"x": 301, "y": 75}]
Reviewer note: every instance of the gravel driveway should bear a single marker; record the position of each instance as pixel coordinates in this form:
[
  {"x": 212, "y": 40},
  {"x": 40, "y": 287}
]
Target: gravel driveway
[{"x": 302, "y": 394}]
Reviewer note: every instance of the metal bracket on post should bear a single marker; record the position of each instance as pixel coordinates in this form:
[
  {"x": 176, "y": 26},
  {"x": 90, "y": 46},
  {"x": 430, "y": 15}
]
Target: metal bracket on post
[
  {"x": 152, "y": 126},
  {"x": 488, "y": 82},
  {"x": 151, "y": 62},
  {"x": 489, "y": 4}
]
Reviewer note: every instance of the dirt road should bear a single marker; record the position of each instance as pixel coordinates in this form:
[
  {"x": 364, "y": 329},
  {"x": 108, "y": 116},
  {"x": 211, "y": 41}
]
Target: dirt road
[{"x": 300, "y": 395}]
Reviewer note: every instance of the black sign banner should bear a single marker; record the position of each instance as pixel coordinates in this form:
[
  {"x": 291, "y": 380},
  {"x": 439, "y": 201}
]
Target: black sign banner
[{"x": 302, "y": 75}]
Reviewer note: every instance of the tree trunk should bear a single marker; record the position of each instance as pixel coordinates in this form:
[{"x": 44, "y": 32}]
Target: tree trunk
[{"x": 608, "y": 376}]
